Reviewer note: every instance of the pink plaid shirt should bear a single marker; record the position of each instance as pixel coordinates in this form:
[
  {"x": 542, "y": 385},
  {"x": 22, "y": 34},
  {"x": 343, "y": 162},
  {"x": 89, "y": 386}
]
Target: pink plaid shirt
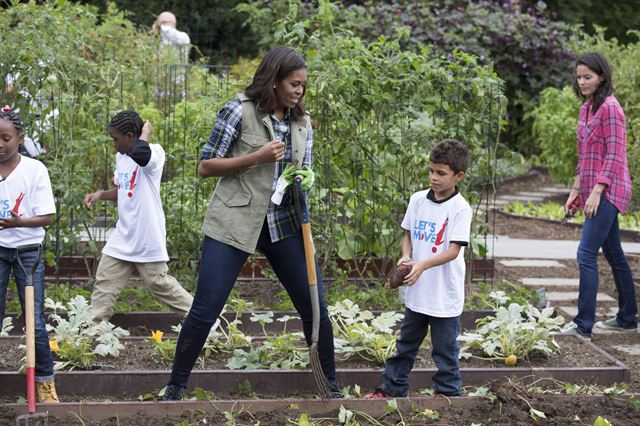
[{"x": 602, "y": 153}]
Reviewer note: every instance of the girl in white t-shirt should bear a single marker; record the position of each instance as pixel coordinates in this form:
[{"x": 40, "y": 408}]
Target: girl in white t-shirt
[
  {"x": 139, "y": 240},
  {"x": 26, "y": 207}
]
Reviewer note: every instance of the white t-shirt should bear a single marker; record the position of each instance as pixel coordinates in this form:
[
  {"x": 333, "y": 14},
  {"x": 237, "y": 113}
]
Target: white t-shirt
[
  {"x": 176, "y": 39},
  {"x": 27, "y": 190},
  {"x": 433, "y": 225},
  {"x": 140, "y": 234}
]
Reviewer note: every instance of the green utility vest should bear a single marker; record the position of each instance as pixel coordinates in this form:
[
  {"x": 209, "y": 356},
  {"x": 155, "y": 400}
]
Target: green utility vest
[{"x": 238, "y": 206}]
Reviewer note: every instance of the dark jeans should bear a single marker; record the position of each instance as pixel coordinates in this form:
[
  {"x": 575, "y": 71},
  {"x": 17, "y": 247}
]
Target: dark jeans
[
  {"x": 444, "y": 332},
  {"x": 9, "y": 263},
  {"x": 219, "y": 269},
  {"x": 603, "y": 230}
]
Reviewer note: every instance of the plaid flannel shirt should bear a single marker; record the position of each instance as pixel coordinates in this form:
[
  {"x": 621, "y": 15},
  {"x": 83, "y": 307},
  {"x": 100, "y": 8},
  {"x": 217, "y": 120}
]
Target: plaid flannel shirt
[
  {"x": 282, "y": 219},
  {"x": 602, "y": 153}
]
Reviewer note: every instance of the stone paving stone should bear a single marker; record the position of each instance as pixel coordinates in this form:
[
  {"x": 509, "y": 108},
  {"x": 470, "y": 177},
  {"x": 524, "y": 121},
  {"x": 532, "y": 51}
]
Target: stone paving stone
[
  {"x": 519, "y": 198},
  {"x": 533, "y": 194},
  {"x": 551, "y": 282},
  {"x": 554, "y": 189},
  {"x": 563, "y": 296},
  {"x": 503, "y": 246},
  {"x": 532, "y": 263},
  {"x": 601, "y": 312},
  {"x": 630, "y": 349}
]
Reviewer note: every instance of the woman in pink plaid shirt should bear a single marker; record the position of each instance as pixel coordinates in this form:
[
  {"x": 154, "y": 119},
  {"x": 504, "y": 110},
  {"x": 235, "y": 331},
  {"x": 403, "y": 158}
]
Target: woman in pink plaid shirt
[{"x": 602, "y": 188}]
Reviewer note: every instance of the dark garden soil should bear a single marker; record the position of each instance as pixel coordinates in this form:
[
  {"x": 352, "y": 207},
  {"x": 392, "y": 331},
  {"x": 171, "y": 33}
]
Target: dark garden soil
[{"x": 137, "y": 355}]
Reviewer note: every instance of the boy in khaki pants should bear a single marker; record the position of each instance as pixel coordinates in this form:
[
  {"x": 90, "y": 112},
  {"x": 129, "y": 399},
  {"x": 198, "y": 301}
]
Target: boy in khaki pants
[{"x": 139, "y": 239}]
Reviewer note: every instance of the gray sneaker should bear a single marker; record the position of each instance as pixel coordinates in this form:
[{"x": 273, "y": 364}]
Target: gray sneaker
[
  {"x": 571, "y": 329},
  {"x": 612, "y": 324}
]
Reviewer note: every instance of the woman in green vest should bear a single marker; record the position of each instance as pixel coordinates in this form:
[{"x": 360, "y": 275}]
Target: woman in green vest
[{"x": 256, "y": 136}]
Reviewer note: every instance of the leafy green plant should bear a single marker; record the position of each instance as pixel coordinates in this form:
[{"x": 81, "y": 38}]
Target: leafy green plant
[
  {"x": 225, "y": 336},
  {"x": 483, "y": 392},
  {"x": 348, "y": 417},
  {"x": 555, "y": 211},
  {"x": 163, "y": 350},
  {"x": 371, "y": 293},
  {"x": 482, "y": 299},
  {"x": 280, "y": 352},
  {"x": 360, "y": 333},
  {"x": 554, "y": 128},
  {"x": 7, "y": 326},
  {"x": 78, "y": 339},
  {"x": 515, "y": 332}
]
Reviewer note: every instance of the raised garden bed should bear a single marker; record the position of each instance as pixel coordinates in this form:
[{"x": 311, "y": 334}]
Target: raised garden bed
[
  {"x": 507, "y": 409},
  {"x": 579, "y": 362},
  {"x": 75, "y": 268},
  {"x": 278, "y": 409}
]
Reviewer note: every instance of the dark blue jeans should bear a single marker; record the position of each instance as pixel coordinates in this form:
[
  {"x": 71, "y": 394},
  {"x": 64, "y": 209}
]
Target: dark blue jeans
[
  {"x": 219, "y": 269},
  {"x": 9, "y": 264},
  {"x": 603, "y": 230},
  {"x": 444, "y": 332}
]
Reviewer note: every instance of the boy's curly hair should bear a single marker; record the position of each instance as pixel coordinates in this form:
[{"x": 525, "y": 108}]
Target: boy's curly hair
[{"x": 453, "y": 153}]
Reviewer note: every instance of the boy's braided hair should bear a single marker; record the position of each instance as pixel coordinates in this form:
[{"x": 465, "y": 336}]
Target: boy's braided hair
[
  {"x": 127, "y": 121},
  {"x": 12, "y": 117},
  {"x": 451, "y": 152}
]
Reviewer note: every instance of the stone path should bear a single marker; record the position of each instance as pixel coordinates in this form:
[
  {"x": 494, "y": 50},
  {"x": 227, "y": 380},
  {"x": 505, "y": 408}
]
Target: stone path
[{"x": 561, "y": 293}]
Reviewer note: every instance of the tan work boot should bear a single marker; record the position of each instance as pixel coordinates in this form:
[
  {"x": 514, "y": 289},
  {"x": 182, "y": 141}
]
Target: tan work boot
[{"x": 47, "y": 392}]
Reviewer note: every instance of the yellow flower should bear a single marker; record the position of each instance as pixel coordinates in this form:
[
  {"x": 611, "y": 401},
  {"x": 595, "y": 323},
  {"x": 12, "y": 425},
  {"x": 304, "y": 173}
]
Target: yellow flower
[
  {"x": 156, "y": 336},
  {"x": 53, "y": 345}
]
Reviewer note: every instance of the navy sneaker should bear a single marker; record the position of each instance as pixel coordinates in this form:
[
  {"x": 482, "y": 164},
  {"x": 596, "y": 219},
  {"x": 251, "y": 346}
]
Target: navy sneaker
[{"x": 172, "y": 393}]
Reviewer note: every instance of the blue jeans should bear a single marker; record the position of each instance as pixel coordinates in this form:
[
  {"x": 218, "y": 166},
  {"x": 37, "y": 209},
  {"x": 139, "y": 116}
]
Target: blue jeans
[
  {"x": 603, "y": 230},
  {"x": 444, "y": 332},
  {"x": 219, "y": 269},
  {"x": 9, "y": 263}
]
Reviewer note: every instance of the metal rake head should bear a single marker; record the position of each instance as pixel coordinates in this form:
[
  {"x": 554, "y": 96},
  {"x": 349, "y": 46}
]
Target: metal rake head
[
  {"x": 33, "y": 419},
  {"x": 324, "y": 388}
]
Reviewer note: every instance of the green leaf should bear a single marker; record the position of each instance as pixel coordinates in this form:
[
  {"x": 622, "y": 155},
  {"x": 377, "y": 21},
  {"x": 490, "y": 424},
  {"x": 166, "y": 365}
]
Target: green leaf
[{"x": 601, "y": 421}]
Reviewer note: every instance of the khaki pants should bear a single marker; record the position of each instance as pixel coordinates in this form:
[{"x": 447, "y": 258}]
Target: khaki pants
[{"x": 113, "y": 275}]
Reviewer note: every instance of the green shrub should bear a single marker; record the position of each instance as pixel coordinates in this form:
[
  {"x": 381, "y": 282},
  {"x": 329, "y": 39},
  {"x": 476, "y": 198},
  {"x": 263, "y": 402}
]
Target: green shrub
[{"x": 554, "y": 127}]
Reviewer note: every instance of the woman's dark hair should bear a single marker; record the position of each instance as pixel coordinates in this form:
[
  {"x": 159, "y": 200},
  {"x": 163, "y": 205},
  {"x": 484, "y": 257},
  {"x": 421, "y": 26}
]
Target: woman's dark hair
[
  {"x": 127, "y": 121},
  {"x": 598, "y": 64},
  {"x": 277, "y": 64},
  {"x": 12, "y": 117}
]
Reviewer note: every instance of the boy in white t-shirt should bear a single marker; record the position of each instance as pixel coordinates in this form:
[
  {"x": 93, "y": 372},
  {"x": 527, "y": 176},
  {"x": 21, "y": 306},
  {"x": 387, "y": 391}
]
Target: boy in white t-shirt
[
  {"x": 26, "y": 207},
  {"x": 437, "y": 225},
  {"x": 139, "y": 239}
]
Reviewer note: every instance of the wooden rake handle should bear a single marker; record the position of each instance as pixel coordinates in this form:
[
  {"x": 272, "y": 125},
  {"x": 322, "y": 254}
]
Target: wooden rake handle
[{"x": 30, "y": 322}]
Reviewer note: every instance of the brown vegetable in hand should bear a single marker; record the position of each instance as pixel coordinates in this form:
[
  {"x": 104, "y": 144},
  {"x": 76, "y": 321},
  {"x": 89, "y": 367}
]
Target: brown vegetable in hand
[{"x": 396, "y": 277}]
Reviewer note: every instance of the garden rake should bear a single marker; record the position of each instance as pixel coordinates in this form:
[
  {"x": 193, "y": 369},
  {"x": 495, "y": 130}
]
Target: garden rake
[
  {"x": 300, "y": 204},
  {"x": 31, "y": 418}
]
